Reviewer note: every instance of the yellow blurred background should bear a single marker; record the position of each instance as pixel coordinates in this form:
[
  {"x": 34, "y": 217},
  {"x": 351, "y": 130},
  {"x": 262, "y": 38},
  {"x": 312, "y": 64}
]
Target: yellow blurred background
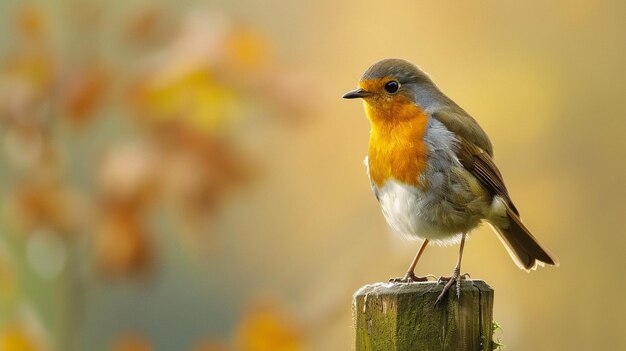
[{"x": 183, "y": 175}]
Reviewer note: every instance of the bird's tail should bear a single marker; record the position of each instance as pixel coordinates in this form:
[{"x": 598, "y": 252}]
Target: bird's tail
[{"x": 521, "y": 245}]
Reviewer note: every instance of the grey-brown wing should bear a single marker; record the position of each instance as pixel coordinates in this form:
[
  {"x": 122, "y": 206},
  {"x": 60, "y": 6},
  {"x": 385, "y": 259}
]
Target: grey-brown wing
[
  {"x": 479, "y": 163},
  {"x": 521, "y": 244}
]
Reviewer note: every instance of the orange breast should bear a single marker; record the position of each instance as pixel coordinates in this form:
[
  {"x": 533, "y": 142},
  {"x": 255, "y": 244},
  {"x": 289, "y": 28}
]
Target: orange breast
[{"x": 397, "y": 150}]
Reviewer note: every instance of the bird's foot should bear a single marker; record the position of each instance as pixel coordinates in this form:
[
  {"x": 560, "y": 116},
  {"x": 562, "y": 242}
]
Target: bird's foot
[
  {"x": 410, "y": 277},
  {"x": 455, "y": 278}
]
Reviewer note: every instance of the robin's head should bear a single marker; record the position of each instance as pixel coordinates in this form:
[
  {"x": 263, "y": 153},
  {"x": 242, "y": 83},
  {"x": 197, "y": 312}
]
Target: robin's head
[{"x": 390, "y": 87}]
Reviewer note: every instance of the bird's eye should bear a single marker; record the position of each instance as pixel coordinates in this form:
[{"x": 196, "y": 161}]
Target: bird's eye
[{"x": 392, "y": 87}]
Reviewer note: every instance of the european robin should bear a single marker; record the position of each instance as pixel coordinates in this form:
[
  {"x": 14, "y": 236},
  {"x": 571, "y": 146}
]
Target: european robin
[{"x": 431, "y": 168}]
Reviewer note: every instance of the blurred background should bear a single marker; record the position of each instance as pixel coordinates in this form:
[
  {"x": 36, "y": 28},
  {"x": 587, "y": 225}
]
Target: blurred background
[{"x": 183, "y": 175}]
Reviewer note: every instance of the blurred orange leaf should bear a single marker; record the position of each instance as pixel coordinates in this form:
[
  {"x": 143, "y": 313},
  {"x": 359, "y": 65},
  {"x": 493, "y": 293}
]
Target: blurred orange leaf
[
  {"x": 247, "y": 49},
  {"x": 36, "y": 69},
  {"x": 46, "y": 203},
  {"x": 82, "y": 91},
  {"x": 144, "y": 25},
  {"x": 15, "y": 338},
  {"x": 267, "y": 328},
  {"x": 122, "y": 246},
  {"x": 131, "y": 342},
  {"x": 31, "y": 22}
]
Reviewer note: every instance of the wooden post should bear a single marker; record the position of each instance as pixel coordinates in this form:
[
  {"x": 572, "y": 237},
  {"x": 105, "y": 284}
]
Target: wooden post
[{"x": 399, "y": 317}]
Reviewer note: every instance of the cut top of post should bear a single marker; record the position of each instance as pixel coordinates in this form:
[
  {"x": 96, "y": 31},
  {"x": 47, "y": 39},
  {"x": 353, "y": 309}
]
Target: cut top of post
[{"x": 403, "y": 316}]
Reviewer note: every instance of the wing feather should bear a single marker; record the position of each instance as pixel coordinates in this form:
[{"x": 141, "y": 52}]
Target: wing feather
[{"x": 481, "y": 165}]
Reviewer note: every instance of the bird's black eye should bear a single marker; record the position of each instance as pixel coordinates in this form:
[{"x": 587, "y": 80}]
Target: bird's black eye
[{"x": 392, "y": 87}]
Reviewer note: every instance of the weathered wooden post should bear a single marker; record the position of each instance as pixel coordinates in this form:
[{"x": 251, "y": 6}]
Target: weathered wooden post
[{"x": 399, "y": 317}]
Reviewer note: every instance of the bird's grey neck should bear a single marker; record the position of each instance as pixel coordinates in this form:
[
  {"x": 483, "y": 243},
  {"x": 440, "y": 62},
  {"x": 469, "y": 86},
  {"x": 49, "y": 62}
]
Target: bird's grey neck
[{"x": 429, "y": 97}]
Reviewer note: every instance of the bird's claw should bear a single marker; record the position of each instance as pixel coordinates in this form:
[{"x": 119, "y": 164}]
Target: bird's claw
[
  {"x": 446, "y": 279},
  {"x": 455, "y": 278},
  {"x": 410, "y": 277}
]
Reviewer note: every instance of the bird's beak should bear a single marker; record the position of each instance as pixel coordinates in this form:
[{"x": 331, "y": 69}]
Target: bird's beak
[{"x": 357, "y": 94}]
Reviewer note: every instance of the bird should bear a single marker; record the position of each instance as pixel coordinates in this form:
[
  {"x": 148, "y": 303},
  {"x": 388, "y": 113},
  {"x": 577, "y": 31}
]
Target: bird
[{"x": 431, "y": 168}]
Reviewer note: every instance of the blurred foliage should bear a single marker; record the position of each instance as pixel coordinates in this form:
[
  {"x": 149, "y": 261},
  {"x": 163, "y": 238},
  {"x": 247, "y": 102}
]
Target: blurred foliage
[{"x": 198, "y": 79}]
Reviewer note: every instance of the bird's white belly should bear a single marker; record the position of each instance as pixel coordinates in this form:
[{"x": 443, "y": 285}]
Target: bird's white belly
[{"x": 412, "y": 213}]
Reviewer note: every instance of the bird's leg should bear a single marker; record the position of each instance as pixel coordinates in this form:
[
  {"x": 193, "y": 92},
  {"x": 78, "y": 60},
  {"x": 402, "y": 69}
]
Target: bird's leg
[
  {"x": 455, "y": 277},
  {"x": 410, "y": 274}
]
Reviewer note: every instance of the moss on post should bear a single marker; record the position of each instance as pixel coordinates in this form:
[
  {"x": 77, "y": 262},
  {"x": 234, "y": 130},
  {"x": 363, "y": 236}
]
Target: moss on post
[{"x": 398, "y": 317}]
